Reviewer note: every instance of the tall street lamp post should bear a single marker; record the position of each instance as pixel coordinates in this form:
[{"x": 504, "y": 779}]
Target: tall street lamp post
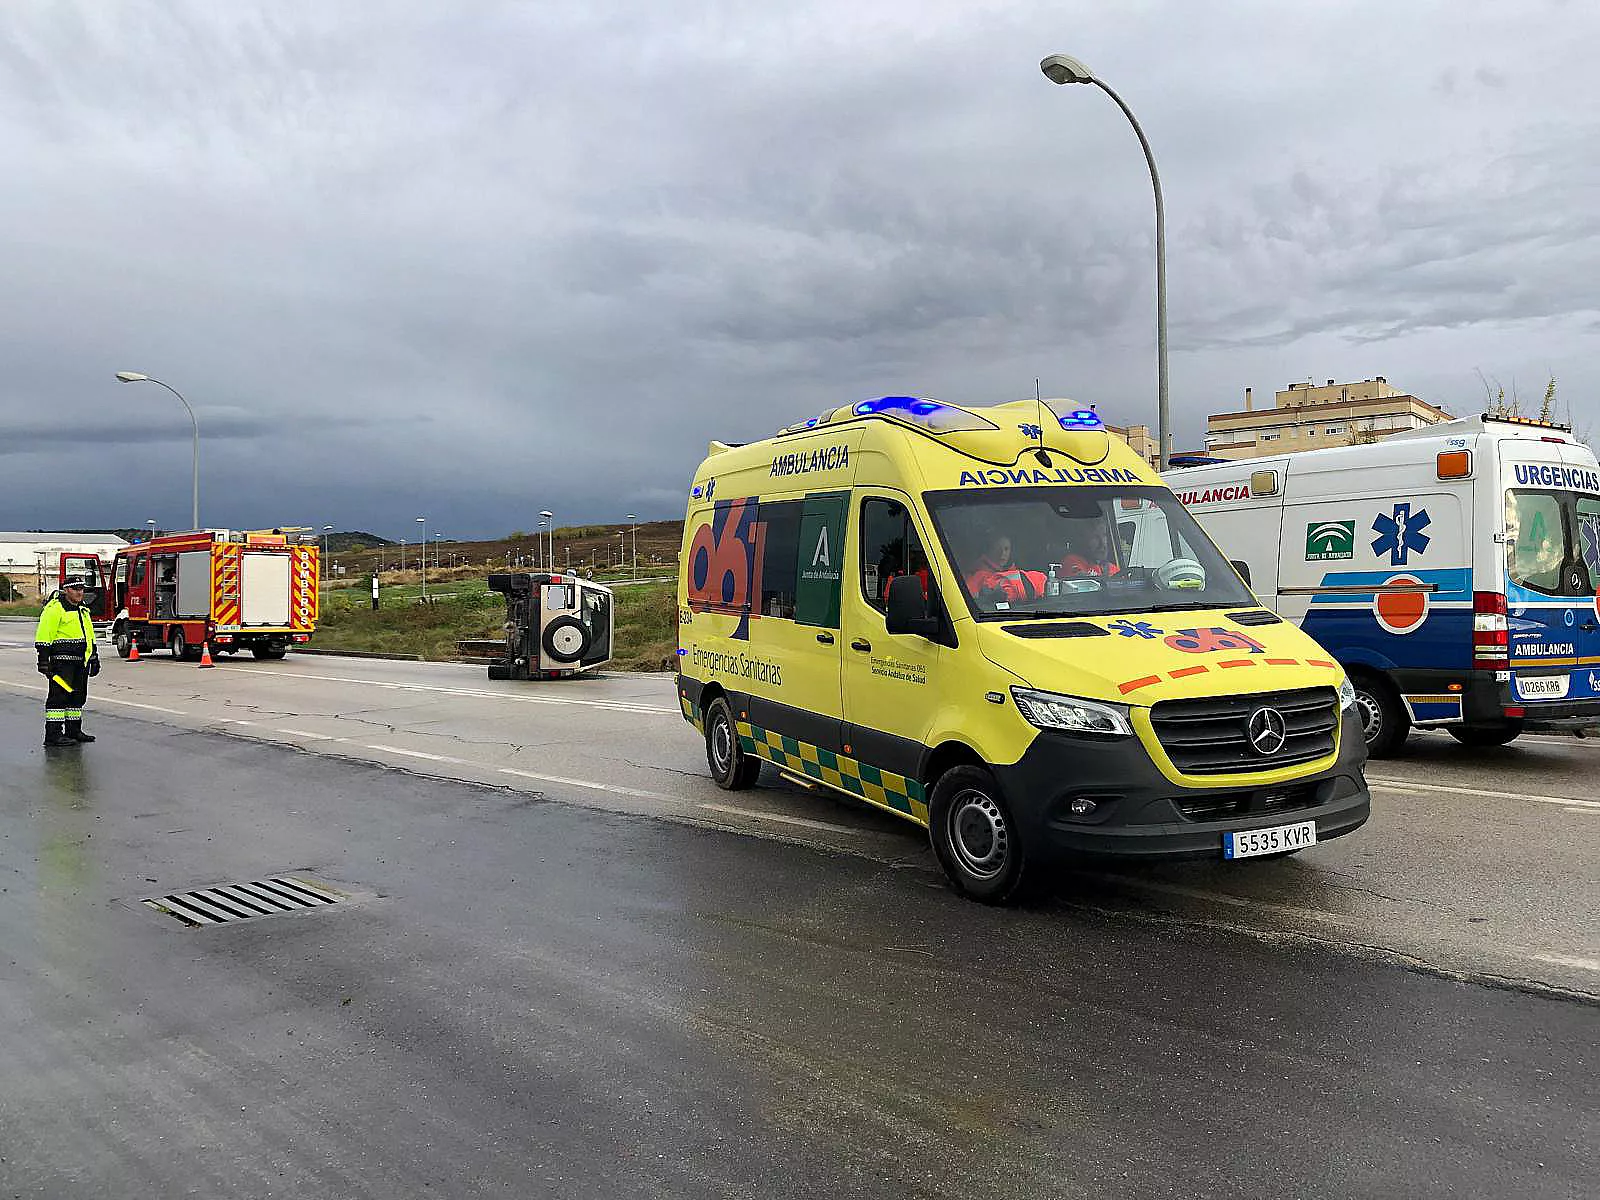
[
  {"x": 151, "y": 521},
  {"x": 550, "y": 521},
  {"x": 322, "y": 564},
  {"x": 135, "y": 377},
  {"x": 423, "y": 546},
  {"x": 1060, "y": 68},
  {"x": 635, "y": 521}
]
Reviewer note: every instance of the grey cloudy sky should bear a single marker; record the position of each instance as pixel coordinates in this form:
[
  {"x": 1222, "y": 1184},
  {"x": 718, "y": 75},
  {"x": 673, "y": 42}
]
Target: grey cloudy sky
[{"x": 471, "y": 260}]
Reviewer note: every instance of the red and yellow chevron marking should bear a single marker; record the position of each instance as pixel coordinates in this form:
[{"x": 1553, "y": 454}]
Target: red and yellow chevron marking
[
  {"x": 304, "y": 592},
  {"x": 225, "y": 589}
]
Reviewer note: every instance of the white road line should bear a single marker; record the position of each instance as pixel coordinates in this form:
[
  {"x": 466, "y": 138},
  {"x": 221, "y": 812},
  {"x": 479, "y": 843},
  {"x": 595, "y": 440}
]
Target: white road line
[
  {"x": 593, "y": 786},
  {"x": 1562, "y": 960},
  {"x": 305, "y": 733},
  {"x": 1399, "y": 785},
  {"x": 625, "y": 706},
  {"x": 804, "y": 822},
  {"x": 420, "y": 754},
  {"x": 176, "y": 712}
]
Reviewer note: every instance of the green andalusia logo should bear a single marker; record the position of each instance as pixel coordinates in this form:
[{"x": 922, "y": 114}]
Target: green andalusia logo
[{"x": 1330, "y": 540}]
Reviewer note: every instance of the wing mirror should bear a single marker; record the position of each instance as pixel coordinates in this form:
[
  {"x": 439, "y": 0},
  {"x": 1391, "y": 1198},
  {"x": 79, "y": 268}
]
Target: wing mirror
[
  {"x": 908, "y": 609},
  {"x": 1243, "y": 568}
]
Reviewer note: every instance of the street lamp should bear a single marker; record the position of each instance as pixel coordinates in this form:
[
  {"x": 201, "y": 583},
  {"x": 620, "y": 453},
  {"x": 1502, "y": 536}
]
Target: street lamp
[
  {"x": 423, "y": 545},
  {"x": 151, "y": 521},
  {"x": 135, "y": 377},
  {"x": 549, "y": 520},
  {"x": 635, "y": 521},
  {"x": 323, "y": 565},
  {"x": 1060, "y": 68}
]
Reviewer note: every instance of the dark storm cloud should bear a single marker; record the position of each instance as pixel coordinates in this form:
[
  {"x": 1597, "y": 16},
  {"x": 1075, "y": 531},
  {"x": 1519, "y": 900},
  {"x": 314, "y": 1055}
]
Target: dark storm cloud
[{"x": 473, "y": 261}]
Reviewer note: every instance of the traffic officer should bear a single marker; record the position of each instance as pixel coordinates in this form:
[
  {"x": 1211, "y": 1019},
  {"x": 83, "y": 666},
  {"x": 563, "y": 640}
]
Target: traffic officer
[{"x": 67, "y": 658}]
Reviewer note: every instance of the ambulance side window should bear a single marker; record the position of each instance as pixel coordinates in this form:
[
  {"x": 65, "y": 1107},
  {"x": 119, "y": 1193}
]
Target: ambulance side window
[
  {"x": 1535, "y": 556},
  {"x": 780, "y": 556},
  {"x": 889, "y": 547}
]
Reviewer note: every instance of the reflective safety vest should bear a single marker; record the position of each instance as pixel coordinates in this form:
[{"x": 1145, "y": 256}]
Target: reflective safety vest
[
  {"x": 1016, "y": 583},
  {"x": 65, "y": 633}
]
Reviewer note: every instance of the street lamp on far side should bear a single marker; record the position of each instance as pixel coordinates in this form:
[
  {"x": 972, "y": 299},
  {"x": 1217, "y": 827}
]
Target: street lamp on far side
[
  {"x": 549, "y": 520},
  {"x": 423, "y": 546},
  {"x": 1063, "y": 68},
  {"x": 136, "y": 377}
]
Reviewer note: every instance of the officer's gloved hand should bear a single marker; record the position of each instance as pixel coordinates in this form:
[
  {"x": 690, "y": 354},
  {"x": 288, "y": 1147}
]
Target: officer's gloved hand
[
  {"x": 94, "y": 664},
  {"x": 44, "y": 663}
]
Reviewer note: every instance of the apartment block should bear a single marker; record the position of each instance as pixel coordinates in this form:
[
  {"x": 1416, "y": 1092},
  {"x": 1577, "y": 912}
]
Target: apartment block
[{"x": 1307, "y": 416}]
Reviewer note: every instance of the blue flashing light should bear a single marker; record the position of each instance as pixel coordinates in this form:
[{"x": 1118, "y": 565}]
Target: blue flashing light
[
  {"x": 907, "y": 405},
  {"x": 1083, "y": 418},
  {"x": 927, "y": 414}
]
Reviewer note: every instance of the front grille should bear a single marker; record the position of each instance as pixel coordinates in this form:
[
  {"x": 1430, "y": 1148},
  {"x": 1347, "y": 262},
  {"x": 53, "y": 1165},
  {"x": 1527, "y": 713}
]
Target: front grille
[
  {"x": 1211, "y": 737},
  {"x": 1214, "y": 806}
]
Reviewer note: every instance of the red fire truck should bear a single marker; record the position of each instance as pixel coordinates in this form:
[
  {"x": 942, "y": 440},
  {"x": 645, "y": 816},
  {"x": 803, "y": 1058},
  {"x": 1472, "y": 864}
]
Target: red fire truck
[{"x": 251, "y": 590}]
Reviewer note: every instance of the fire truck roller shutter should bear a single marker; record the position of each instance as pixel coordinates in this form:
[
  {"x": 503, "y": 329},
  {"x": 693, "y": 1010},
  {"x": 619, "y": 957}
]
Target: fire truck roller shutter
[{"x": 264, "y": 582}]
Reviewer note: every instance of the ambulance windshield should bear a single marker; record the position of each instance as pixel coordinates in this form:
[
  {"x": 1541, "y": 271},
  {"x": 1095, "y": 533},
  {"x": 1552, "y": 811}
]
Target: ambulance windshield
[{"x": 1080, "y": 551}]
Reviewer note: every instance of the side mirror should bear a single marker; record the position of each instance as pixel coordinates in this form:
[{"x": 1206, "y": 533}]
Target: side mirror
[
  {"x": 907, "y": 608},
  {"x": 1243, "y": 568}
]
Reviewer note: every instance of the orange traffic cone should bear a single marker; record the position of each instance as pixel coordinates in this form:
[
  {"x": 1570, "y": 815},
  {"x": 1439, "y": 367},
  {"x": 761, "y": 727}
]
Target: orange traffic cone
[
  {"x": 205, "y": 655},
  {"x": 133, "y": 650}
]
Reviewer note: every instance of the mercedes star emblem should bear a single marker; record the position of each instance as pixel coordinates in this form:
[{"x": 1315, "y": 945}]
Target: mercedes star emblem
[{"x": 1267, "y": 731}]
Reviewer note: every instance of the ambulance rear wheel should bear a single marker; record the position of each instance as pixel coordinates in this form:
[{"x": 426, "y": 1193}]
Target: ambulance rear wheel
[
  {"x": 975, "y": 837},
  {"x": 1486, "y": 735},
  {"x": 731, "y": 768},
  {"x": 1384, "y": 722}
]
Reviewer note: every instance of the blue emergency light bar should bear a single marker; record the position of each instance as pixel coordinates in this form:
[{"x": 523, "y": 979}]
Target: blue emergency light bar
[{"x": 1083, "y": 418}]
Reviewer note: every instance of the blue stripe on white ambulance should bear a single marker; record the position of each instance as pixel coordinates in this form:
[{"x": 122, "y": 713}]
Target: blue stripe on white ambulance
[
  {"x": 1546, "y": 644},
  {"x": 1390, "y": 630}
]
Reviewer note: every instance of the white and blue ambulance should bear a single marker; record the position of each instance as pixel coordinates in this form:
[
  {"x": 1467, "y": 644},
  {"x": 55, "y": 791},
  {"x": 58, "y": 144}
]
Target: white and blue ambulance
[{"x": 1451, "y": 570}]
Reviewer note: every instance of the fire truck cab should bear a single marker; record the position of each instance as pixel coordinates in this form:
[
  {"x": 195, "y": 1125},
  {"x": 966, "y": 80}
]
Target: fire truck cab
[{"x": 251, "y": 590}]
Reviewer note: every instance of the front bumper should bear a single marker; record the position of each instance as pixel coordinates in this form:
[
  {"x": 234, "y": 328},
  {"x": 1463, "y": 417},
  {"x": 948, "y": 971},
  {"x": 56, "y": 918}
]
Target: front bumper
[{"x": 1140, "y": 814}]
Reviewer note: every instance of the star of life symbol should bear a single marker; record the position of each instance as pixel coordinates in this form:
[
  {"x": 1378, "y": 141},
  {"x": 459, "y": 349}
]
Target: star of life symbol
[
  {"x": 1135, "y": 629},
  {"x": 1401, "y": 534},
  {"x": 1031, "y": 431}
]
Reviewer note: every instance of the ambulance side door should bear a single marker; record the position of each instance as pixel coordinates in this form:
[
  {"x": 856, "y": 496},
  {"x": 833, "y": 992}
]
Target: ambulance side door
[{"x": 890, "y": 680}]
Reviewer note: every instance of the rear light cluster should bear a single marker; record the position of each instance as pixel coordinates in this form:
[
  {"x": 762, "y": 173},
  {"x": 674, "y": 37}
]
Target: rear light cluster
[
  {"x": 302, "y": 637},
  {"x": 1490, "y": 640}
]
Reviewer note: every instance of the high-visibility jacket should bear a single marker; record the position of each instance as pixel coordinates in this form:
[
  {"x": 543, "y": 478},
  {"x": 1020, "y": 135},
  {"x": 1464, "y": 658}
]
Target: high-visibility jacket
[
  {"x": 1077, "y": 564},
  {"x": 65, "y": 633},
  {"x": 1013, "y": 581}
]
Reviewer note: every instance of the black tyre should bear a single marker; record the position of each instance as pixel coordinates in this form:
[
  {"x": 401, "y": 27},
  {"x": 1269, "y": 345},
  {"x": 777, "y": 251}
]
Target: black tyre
[
  {"x": 566, "y": 640},
  {"x": 123, "y": 640},
  {"x": 1486, "y": 735},
  {"x": 181, "y": 649},
  {"x": 1384, "y": 722},
  {"x": 731, "y": 768},
  {"x": 975, "y": 838},
  {"x": 269, "y": 652}
]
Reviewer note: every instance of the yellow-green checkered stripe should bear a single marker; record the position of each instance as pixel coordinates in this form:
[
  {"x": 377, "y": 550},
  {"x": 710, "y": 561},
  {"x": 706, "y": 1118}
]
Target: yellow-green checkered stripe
[
  {"x": 873, "y": 784},
  {"x": 692, "y": 712}
]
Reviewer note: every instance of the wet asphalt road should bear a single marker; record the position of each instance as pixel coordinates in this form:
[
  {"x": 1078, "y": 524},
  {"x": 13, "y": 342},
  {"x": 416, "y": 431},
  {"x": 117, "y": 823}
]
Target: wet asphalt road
[{"x": 529, "y": 998}]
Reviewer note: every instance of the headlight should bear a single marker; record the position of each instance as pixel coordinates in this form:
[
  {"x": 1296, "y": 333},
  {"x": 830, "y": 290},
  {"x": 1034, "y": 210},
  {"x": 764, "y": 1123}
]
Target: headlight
[
  {"x": 1050, "y": 711},
  {"x": 1347, "y": 694}
]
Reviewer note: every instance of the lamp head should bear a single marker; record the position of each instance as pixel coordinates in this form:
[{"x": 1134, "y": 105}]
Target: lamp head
[
  {"x": 1063, "y": 68},
  {"x": 131, "y": 376}
]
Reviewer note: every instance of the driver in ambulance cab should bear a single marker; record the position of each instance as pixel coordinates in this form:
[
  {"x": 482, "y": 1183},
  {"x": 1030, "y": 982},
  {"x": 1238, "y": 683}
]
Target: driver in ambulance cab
[{"x": 1091, "y": 555}]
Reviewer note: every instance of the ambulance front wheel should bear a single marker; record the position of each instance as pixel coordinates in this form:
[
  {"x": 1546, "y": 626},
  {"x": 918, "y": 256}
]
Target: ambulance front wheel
[
  {"x": 975, "y": 837},
  {"x": 731, "y": 768},
  {"x": 1384, "y": 722}
]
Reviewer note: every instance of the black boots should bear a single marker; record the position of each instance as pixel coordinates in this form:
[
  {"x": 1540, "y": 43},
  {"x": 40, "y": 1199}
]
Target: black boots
[
  {"x": 75, "y": 732},
  {"x": 53, "y": 736}
]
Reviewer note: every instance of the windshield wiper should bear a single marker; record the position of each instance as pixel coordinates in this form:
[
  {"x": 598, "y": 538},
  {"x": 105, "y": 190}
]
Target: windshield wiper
[{"x": 1187, "y": 606}]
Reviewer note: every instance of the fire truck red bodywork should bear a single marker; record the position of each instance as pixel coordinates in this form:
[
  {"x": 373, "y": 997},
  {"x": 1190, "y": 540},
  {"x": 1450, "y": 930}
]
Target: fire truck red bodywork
[{"x": 237, "y": 591}]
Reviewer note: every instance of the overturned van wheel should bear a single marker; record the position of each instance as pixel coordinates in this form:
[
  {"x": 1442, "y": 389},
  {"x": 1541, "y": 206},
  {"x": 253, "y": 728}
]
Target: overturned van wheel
[
  {"x": 731, "y": 768},
  {"x": 566, "y": 640},
  {"x": 975, "y": 838},
  {"x": 1384, "y": 722}
]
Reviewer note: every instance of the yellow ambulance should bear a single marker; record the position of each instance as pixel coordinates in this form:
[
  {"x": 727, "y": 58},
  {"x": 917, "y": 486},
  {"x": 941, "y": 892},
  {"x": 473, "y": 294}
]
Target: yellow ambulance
[{"x": 1000, "y": 624}]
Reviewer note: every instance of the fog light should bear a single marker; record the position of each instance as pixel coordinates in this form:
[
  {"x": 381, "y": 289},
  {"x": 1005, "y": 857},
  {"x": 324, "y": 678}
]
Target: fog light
[{"x": 1082, "y": 807}]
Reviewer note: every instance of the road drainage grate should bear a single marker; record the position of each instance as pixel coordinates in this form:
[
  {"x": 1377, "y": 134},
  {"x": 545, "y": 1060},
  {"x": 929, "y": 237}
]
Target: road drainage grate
[{"x": 241, "y": 901}]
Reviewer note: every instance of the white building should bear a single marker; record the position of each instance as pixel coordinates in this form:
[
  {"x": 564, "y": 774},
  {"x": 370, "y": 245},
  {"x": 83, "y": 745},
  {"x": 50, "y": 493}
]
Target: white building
[{"x": 30, "y": 560}]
